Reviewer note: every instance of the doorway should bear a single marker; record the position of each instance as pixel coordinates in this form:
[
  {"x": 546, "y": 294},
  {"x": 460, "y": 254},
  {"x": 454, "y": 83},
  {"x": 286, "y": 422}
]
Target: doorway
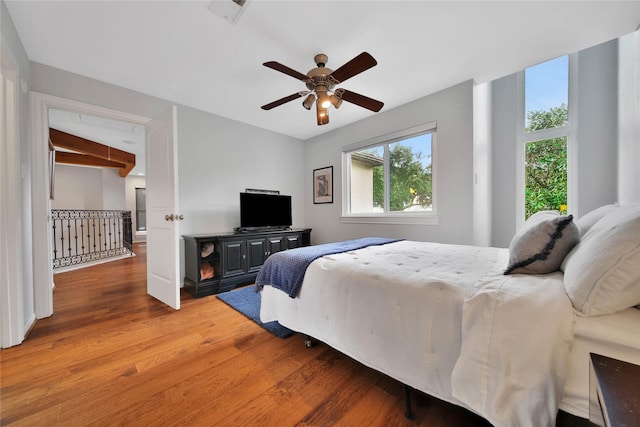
[{"x": 41, "y": 106}]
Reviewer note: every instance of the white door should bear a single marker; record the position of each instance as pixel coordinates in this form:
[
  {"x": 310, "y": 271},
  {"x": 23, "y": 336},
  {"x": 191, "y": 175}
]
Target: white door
[{"x": 162, "y": 209}]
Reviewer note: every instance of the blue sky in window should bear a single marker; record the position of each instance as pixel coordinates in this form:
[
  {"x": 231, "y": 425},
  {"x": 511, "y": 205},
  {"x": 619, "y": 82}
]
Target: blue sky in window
[
  {"x": 420, "y": 144},
  {"x": 547, "y": 85}
]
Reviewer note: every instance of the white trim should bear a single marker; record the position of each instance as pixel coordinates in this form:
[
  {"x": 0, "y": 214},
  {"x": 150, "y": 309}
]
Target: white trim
[
  {"x": 43, "y": 265},
  {"x": 11, "y": 225},
  {"x": 520, "y": 134},
  {"x": 400, "y": 218},
  {"x": 572, "y": 138},
  {"x": 391, "y": 137}
]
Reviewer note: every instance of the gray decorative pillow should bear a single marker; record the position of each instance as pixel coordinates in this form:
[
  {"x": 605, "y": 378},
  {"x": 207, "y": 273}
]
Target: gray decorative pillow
[{"x": 542, "y": 243}]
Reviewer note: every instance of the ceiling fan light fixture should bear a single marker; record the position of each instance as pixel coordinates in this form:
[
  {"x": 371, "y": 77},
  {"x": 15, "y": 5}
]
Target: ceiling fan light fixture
[
  {"x": 335, "y": 101},
  {"x": 323, "y": 119},
  {"x": 321, "y": 114},
  {"x": 308, "y": 102},
  {"x": 323, "y": 99}
]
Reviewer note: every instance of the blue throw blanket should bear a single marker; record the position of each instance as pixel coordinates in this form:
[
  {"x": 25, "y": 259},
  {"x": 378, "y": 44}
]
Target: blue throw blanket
[{"x": 285, "y": 270}]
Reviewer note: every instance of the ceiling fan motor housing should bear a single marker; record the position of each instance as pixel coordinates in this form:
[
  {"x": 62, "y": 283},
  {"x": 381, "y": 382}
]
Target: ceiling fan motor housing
[{"x": 319, "y": 79}]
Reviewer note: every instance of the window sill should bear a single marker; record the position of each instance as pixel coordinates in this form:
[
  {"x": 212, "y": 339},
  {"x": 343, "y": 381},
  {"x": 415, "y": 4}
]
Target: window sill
[{"x": 402, "y": 219}]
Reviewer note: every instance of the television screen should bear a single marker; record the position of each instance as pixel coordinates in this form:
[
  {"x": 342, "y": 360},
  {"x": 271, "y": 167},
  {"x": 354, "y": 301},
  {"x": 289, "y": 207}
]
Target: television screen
[{"x": 258, "y": 210}]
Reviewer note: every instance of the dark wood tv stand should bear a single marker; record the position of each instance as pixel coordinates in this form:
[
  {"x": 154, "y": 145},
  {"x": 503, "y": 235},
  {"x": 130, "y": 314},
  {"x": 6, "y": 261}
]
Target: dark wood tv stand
[{"x": 236, "y": 257}]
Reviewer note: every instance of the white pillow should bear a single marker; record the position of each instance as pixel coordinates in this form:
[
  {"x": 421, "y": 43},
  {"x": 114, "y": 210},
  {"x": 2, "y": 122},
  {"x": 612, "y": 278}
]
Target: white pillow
[
  {"x": 602, "y": 272},
  {"x": 585, "y": 222},
  {"x": 540, "y": 246}
]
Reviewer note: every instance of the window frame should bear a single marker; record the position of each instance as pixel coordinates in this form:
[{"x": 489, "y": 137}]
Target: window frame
[
  {"x": 569, "y": 131},
  {"x": 137, "y": 230},
  {"x": 412, "y": 217}
]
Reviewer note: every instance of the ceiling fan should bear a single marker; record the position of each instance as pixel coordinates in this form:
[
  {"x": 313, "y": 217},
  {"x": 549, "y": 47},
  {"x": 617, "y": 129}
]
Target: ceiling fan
[{"x": 320, "y": 82}]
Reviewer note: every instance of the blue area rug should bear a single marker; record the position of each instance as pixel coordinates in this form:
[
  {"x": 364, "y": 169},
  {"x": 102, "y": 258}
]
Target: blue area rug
[{"x": 247, "y": 301}]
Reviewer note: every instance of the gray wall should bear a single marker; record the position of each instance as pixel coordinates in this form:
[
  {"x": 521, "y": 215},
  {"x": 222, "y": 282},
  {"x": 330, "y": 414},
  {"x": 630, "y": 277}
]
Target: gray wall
[
  {"x": 597, "y": 127},
  {"x": 218, "y": 158},
  {"x": 57, "y": 82},
  {"x": 503, "y": 149},
  {"x": 453, "y": 110}
]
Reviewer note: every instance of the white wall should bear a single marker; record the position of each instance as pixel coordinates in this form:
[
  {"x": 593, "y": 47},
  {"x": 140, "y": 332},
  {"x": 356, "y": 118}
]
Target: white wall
[
  {"x": 113, "y": 190},
  {"x": 77, "y": 188},
  {"x": 452, "y": 109}
]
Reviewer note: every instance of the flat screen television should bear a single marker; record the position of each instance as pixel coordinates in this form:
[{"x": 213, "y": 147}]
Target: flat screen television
[{"x": 263, "y": 211}]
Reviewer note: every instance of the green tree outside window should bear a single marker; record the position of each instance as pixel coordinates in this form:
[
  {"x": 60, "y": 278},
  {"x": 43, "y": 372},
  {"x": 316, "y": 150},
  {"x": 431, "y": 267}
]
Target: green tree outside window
[{"x": 546, "y": 164}]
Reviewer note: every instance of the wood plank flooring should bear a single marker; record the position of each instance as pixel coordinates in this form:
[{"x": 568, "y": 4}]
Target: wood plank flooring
[{"x": 111, "y": 355}]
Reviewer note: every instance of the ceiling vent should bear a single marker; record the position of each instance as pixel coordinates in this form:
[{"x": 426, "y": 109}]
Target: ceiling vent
[{"x": 231, "y": 10}]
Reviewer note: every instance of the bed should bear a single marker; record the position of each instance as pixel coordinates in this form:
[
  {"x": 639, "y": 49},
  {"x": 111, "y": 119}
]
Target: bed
[{"x": 446, "y": 319}]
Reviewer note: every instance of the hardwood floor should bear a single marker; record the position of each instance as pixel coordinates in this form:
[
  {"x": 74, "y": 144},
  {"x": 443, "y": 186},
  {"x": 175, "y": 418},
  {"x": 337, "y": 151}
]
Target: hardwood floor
[{"x": 111, "y": 355}]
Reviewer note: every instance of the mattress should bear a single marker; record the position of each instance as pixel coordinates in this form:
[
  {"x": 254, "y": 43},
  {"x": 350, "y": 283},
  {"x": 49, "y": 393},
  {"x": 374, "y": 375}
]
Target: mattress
[
  {"x": 614, "y": 335},
  {"x": 418, "y": 340}
]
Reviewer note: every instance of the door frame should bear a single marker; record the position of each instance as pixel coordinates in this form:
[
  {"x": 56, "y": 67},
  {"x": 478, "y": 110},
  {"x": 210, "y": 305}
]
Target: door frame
[
  {"x": 12, "y": 322},
  {"x": 40, "y": 178}
]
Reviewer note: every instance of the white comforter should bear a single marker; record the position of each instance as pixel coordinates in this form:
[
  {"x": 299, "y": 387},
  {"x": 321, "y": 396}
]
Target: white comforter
[{"x": 414, "y": 311}]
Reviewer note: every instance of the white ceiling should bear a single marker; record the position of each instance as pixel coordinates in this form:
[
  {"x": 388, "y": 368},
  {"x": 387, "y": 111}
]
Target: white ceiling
[{"x": 182, "y": 52}]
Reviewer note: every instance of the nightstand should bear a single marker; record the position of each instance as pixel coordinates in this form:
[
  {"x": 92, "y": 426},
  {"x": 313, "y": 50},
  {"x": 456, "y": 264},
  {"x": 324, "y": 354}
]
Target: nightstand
[{"x": 614, "y": 396}]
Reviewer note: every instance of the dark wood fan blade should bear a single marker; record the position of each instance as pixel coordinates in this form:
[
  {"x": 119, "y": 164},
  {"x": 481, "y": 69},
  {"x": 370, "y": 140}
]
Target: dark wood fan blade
[
  {"x": 284, "y": 100},
  {"x": 360, "y": 63},
  {"x": 362, "y": 101},
  {"x": 284, "y": 69}
]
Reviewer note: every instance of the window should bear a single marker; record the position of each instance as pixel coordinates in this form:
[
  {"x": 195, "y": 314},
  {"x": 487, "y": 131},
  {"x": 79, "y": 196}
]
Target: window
[
  {"x": 545, "y": 137},
  {"x": 547, "y": 95},
  {"x": 390, "y": 177},
  {"x": 141, "y": 209}
]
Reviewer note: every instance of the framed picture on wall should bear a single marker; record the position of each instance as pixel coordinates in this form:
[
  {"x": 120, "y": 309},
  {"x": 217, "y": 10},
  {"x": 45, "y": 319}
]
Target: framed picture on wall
[{"x": 323, "y": 185}]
